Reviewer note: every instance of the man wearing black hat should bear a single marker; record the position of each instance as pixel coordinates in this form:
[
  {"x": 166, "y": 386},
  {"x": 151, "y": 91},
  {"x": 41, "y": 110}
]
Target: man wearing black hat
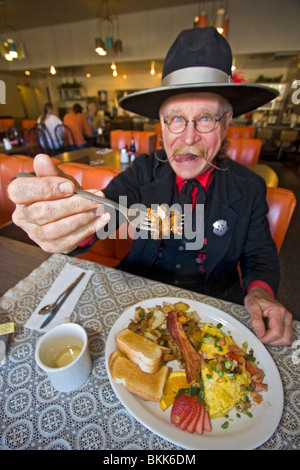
[{"x": 195, "y": 104}]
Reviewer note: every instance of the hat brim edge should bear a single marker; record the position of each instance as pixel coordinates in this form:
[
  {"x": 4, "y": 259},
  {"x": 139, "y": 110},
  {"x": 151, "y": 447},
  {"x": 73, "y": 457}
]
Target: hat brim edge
[{"x": 243, "y": 97}]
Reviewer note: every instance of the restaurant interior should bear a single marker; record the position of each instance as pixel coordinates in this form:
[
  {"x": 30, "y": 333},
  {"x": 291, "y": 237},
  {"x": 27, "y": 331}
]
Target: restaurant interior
[{"x": 92, "y": 53}]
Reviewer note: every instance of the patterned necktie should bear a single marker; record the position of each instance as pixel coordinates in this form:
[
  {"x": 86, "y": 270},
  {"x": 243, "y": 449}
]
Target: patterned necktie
[{"x": 185, "y": 197}]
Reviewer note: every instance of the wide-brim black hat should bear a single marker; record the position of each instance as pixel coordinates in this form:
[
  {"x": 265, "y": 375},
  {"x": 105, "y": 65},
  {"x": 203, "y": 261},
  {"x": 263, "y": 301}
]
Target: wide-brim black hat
[{"x": 199, "y": 60}]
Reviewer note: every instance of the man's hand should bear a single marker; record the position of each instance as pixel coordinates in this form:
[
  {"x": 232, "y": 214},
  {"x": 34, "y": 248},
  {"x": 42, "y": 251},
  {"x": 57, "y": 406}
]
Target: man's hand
[
  {"x": 263, "y": 307},
  {"x": 49, "y": 212}
]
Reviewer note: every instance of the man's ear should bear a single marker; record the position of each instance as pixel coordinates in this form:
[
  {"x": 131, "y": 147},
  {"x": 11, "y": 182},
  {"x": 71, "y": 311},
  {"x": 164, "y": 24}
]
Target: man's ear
[{"x": 228, "y": 119}]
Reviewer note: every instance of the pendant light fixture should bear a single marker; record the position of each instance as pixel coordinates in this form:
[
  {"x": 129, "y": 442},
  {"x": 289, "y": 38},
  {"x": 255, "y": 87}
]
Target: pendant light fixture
[{"x": 108, "y": 41}]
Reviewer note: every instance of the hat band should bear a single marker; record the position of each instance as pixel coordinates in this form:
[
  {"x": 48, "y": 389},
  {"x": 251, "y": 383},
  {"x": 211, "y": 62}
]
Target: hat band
[{"x": 195, "y": 75}]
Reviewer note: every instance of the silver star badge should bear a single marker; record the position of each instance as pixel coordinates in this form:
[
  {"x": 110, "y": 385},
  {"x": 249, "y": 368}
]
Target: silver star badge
[{"x": 220, "y": 227}]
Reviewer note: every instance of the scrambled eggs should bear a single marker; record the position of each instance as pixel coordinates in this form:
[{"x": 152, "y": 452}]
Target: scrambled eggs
[
  {"x": 222, "y": 393},
  {"x": 223, "y": 387},
  {"x": 214, "y": 341}
]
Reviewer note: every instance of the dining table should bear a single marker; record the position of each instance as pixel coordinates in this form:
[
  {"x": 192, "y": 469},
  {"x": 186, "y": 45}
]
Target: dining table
[
  {"x": 34, "y": 416},
  {"x": 94, "y": 156}
]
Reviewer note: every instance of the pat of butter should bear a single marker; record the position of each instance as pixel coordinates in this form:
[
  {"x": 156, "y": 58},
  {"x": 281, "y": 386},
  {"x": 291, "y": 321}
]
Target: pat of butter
[{"x": 7, "y": 328}]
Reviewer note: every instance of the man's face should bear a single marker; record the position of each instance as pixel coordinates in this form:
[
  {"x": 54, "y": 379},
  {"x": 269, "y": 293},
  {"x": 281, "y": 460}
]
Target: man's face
[{"x": 185, "y": 150}]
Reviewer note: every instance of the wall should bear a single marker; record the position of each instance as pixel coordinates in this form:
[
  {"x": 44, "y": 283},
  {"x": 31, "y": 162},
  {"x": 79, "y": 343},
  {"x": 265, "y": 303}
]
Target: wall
[
  {"x": 255, "y": 27},
  {"x": 14, "y": 106}
]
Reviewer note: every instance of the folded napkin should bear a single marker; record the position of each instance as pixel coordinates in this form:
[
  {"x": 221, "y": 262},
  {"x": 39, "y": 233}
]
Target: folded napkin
[
  {"x": 104, "y": 151},
  {"x": 67, "y": 275}
]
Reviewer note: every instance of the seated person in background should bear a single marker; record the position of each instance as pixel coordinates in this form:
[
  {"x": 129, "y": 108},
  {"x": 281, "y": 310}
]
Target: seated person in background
[
  {"x": 195, "y": 104},
  {"x": 93, "y": 117},
  {"x": 50, "y": 120},
  {"x": 78, "y": 124}
]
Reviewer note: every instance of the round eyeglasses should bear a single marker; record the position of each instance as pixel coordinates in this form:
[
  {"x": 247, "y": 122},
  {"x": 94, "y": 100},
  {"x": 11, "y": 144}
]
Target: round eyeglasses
[{"x": 204, "y": 123}]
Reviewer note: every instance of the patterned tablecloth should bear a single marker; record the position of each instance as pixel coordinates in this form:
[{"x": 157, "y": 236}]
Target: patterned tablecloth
[{"x": 34, "y": 416}]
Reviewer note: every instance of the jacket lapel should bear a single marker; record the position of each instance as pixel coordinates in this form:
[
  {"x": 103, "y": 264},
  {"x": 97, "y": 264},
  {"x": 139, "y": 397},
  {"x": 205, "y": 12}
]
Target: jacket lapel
[{"x": 224, "y": 193}]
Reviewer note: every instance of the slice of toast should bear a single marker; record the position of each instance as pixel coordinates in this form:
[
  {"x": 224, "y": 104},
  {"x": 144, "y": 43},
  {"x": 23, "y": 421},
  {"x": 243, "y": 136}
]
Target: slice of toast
[
  {"x": 147, "y": 354},
  {"x": 147, "y": 386}
]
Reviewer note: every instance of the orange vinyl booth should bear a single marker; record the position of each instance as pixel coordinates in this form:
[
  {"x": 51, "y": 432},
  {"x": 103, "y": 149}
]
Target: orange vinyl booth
[
  {"x": 282, "y": 203},
  {"x": 241, "y": 132},
  {"x": 5, "y": 123},
  {"x": 245, "y": 151},
  {"x": 9, "y": 167},
  {"x": 27, "y": 124},
  {"x": 145, "y": 141},
  {"x": 110, "y": 251}
]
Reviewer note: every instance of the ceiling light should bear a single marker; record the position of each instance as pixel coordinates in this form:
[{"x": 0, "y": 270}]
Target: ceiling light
[
  {"x": 27, "y": 72},
  {"x": 219, "y": 23},
  {"x": 52, "y": 70},
  {"x": 99, "y": 47},
  {"x": 108, "y": 25},
  {"x": 152, "y": 70},
  {"x": 12, "y": 49}
]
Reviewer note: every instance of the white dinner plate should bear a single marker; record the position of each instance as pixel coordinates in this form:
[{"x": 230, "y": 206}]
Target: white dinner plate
[{"x": 242, "y": 433}]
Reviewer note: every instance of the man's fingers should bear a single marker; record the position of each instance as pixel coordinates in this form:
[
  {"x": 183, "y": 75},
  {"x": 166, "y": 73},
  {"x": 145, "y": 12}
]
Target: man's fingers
[
  {"x": 256, "y": 315},
  {"x": 44, "y": 212},
  {"x": 44, "y": 166},
  {"x": 63, "y": 235},
  {"x": 29, "y": 190},
  {"x": 280, "y": 332}
]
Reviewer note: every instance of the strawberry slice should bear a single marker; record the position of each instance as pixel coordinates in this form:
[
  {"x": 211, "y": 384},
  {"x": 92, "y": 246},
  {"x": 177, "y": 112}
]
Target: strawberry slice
[
  {"x": 207, "y": 422},
  {"x": 192, "y": 411},
  {"x": 189, "y": 414},
  {"x": 200, "y": 423},
  {"x": 192, "y": 426},
  {"x": 180, "y": 409}
]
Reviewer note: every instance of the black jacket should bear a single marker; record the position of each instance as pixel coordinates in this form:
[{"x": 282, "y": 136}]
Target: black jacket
[{"x": 238, "y": 197}]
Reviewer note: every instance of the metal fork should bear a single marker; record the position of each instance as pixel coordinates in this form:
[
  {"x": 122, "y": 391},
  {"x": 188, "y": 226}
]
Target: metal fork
[{"x": 141, "y": 221}]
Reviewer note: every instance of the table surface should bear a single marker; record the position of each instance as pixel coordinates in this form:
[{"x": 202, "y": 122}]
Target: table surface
[
  {"x": 93, "y": 156},
  {"x": 17, "y": 261},
  {"x": 34, "y": 416},
  {"x": 20, "y": 149}
]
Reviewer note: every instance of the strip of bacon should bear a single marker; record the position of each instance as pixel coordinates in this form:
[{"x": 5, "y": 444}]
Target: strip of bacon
[{"x": 191, "y": 357}]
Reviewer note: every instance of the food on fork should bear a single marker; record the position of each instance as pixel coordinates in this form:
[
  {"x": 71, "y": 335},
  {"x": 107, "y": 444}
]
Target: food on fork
[
  {"x": 140, "y": 350},
  {"x": 149, "y": 387},
  {"x": 164, "y": 221}
]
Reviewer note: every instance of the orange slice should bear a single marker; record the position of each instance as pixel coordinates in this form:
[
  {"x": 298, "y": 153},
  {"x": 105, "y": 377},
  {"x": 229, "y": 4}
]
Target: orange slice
[{"x": 175, "y": 382}]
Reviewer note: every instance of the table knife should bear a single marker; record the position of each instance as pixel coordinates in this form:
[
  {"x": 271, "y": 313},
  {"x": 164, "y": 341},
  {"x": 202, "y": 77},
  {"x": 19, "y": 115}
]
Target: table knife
[{"x": 56, "y": 309}]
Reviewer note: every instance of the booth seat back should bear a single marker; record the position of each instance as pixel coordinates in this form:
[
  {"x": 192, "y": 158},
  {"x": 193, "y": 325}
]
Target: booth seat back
[
  {"x": 5, "y": 123},
  {"x": 245, "y": 151},
  {"x": 282, "y": 203},
  {"x": 109, "y": 251},
  {"x": 27, "y": 124},
  {"x": 145, "y": 141},
  {"x": 10, "y": 165},
  {"x": 241, "y": 132},
  {"x": 90, "y": 177}
]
